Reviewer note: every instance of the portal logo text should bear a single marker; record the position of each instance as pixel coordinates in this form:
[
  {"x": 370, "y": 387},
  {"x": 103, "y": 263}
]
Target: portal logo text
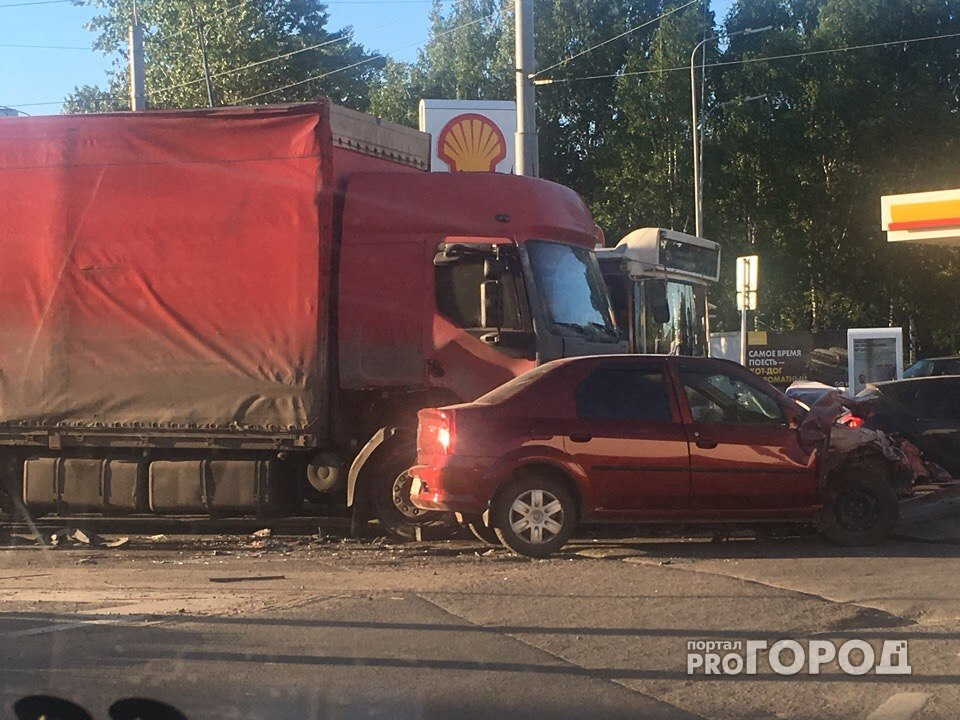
[{"x": 791, "y": 657}]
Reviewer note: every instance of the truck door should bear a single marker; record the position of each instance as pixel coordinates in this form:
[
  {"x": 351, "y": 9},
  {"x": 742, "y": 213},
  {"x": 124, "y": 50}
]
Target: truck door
[
  {"x": 463, "y": 355},
  {"x": 630, "y": 441},
  {"x": 744, "y": 455}
]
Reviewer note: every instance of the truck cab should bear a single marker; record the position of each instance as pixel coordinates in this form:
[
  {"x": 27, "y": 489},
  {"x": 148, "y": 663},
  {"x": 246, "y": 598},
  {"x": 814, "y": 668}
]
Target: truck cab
[
  {"x": 658, "y": 280},
  {"x": 481, "y": 277}
]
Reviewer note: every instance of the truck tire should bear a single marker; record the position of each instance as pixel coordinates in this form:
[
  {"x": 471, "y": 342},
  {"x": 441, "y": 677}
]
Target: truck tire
[
  {"x": 389, "y": 491},
  {"x": 534, "y": 516},
  {"x": 859, "y": 508}
]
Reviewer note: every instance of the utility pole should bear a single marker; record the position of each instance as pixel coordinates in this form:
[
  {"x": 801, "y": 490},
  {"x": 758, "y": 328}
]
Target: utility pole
[
  {"x": 138, "y": 95},
  {"x": 527, "y": 150},
  {"x": 202, "y": 40}
]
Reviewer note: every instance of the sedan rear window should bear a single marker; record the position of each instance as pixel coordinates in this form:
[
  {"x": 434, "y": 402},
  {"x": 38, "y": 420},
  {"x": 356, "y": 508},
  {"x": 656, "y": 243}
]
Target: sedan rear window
[{"x": 623, "y": 394}]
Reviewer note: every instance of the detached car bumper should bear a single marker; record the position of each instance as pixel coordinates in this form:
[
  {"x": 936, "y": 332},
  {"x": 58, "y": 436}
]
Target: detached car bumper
[{"x": 455, "y": 487}]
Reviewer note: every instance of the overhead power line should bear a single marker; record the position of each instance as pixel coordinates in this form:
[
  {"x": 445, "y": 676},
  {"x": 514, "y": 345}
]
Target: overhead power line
[
  {"x": 37, "y": 2},
  {"x": 362, "y": 62},
  {"x": 190, "y": 27},
  {"x": 282, "y": 56},
  {"x": 747, "y": 61},
  {"x": 34, "y": 104},
  {"x": 615, "y": 37},
  {"x": 47, "y": 47}
]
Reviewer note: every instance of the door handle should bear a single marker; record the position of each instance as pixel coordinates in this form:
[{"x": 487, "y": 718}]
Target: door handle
[
  {"x": 581, "y": 437},
  {"x": 706, "y": 443}
]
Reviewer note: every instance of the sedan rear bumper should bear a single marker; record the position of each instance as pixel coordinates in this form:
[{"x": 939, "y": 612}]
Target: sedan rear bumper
[{"x": 455, "y": 487}]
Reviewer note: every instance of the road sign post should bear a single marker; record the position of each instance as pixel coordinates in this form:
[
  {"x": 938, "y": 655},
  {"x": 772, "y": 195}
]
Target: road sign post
[{"x": 747, "y": 285}]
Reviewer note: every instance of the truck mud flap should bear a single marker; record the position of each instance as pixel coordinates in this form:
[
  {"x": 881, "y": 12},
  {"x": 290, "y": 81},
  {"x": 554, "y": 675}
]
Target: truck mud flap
[{"x": 78, "y": 485}]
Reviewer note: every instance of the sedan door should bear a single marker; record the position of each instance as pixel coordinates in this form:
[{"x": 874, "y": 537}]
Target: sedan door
[
  {"x": 744, "y": 454},
  {"x": 630, "y": 441}
]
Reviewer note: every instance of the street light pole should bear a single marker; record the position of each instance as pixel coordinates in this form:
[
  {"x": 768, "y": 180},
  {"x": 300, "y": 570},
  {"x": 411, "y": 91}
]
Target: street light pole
[
  {"x": 694, "y": 123},
  {"x": 704, "y": 117}
]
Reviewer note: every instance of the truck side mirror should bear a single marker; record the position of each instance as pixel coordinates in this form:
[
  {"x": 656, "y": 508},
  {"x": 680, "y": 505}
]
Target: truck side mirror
[
  {"x": 491, "y": 311},
  {"x": 659, "y": 306}
]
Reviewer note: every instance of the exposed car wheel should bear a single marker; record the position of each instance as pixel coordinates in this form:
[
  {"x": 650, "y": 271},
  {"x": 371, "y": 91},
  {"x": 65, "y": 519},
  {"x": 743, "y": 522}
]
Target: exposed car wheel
[
  {"x": 534, "y": 516},
  {"x": 859, "y": 508},
  {"x": 486, "y": 535}
]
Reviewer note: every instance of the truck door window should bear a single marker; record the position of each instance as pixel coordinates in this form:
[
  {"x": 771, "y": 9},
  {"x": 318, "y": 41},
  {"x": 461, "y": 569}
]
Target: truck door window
[
  {"x": 721, "y": 398},
  {"x": 457, "y": 290},
  {"x": 623, "y": 394}
]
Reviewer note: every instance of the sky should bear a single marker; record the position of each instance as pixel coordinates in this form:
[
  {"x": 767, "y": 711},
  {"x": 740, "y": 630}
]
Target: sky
[{"x": 35, "y": 79}]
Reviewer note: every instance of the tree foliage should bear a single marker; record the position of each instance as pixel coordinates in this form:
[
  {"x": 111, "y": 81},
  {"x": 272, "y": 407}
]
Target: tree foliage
[{"x": 237, "y": 34}]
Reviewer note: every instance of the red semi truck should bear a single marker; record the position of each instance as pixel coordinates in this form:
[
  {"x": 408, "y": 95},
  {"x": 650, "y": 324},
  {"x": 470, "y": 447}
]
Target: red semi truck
[{"x": 231, "y": 311}]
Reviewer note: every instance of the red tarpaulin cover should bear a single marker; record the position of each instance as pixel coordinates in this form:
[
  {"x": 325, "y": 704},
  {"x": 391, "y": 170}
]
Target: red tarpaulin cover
[{"x": 166, "y": 269}]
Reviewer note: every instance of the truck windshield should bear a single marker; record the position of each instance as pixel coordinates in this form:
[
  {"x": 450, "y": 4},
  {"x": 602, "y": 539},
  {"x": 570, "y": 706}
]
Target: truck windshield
[
  {"x": 685, "y": 333},
  {"x": 572, "y": 288}
]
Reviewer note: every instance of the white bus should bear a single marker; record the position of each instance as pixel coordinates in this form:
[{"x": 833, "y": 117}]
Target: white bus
[{"x": 658, "y": 281}]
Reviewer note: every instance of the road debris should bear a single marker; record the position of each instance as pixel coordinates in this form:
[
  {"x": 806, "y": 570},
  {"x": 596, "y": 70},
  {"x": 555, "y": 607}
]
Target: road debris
[
  {"x": 68, "y": 537},
  {"x": 264, "y": 533}
]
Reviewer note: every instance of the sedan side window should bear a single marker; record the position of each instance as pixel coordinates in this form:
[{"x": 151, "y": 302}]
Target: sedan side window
[
  {"x": 720, "y": 398},
  {"x": 623, "y": 394}
]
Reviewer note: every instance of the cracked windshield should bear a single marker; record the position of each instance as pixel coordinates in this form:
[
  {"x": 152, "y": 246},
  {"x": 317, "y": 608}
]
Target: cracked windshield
[{"x": 468, "y": 359}]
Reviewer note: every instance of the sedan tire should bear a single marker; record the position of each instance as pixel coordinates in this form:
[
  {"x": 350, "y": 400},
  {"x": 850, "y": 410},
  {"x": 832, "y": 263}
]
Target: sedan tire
[
  {"x": 859, "y": 508},
  {"x": 486, "y": 535},
  {"x": 534, "y": 516}
]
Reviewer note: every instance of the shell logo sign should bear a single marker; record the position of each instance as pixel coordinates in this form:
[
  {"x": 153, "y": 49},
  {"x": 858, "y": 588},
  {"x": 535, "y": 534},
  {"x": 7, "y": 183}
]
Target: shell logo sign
[
  {"x": 470, "y": 135},
  {"x": 930, "y": 217},
  {"x": 471, "y": 143}
]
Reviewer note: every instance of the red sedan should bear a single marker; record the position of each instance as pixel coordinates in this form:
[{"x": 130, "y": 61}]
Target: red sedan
[{"x": 639, "y": 438}]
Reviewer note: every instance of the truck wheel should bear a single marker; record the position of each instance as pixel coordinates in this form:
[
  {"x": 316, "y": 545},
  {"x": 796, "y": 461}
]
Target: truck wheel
[
  {"x": 534, "y": 517},
  {"x": 859, "y": 508},
  {"x": 390, "y": 496}
]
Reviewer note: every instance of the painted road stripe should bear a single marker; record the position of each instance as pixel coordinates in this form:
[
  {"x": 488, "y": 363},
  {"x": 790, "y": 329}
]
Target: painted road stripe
[{"x": 901, "y": 706}]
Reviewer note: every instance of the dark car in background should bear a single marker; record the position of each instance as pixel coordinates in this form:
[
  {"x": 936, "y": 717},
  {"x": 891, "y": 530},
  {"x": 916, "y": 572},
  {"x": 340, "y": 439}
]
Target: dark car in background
[
  {"x": 929, "y": 367},
  {"x": 926, "y": 411},
  {"x": 643, "y": 438}
]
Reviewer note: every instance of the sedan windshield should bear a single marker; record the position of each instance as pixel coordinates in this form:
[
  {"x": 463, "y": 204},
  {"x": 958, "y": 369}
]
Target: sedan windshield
[{"x": 572, "y": 289}]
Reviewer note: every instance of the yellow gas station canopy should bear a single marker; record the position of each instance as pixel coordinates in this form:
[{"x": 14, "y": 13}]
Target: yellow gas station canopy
[{"x": 932, "y": 218}]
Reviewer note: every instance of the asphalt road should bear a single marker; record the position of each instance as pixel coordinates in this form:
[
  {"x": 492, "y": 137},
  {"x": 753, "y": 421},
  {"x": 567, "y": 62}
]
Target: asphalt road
[{"x": 222, "y": 628}]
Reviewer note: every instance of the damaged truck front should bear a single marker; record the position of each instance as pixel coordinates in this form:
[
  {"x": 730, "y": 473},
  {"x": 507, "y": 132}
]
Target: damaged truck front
[{"x": 231, "y": 311}]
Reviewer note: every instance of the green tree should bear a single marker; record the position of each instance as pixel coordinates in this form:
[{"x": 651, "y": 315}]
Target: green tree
[
  {"x": 644, "y": 174},
  {"x": 242, "y": 38},
  {"x": 468, "y": 56},
  {"x": 802, "y": 172}
]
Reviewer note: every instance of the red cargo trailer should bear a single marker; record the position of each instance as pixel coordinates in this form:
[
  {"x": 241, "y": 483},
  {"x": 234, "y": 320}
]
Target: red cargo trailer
[{"x": 220, "y": 311}]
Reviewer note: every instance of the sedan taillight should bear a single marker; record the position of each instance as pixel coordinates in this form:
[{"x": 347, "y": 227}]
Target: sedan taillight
[{"x": 435, "y": 432}]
